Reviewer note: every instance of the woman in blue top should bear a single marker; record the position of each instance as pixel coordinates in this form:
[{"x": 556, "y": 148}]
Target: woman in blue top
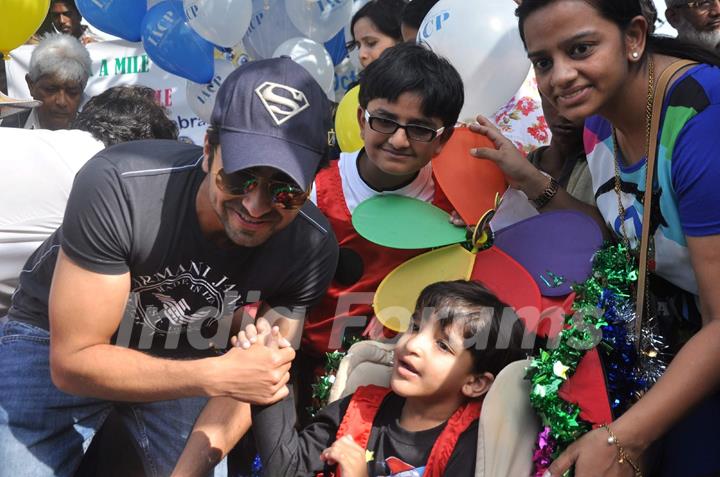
[{"x": 598, "y": 59}]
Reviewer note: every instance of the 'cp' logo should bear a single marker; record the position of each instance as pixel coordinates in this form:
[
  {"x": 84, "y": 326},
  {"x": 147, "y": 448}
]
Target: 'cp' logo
[{"x": 433, "y": 24}]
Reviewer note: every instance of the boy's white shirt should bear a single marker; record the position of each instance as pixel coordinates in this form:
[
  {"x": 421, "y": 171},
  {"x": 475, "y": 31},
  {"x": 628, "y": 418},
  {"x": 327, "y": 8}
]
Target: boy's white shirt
[
  {"x": 356, "y": 190},
  {"x": 514, "y": 208}
]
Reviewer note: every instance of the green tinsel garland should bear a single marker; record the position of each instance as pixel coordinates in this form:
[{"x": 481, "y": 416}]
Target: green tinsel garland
[
  {"x": 612, "y": 270},
  {"x": 323, "y": 384}
]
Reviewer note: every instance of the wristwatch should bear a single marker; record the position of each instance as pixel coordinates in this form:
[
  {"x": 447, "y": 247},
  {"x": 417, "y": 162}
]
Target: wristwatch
[{"x": 547, "y": 195}]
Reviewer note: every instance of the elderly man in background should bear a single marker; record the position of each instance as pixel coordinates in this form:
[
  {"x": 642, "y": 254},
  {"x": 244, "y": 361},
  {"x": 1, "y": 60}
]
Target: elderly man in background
[
  {"x": 37, "y": 167},
  {"x": 697, "y": 21},
  {"x": 59, "y": 70}
]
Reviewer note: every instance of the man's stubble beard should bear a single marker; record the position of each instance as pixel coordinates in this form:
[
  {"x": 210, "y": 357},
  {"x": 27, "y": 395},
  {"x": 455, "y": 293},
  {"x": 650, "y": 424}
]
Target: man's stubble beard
[{"x": 709, "y": 40}]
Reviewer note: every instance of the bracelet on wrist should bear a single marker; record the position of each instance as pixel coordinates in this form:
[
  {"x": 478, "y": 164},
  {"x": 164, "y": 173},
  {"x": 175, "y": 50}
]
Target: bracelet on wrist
[
  {"x": 622, "y": 455},
  {"x": 547, "y": 195}
]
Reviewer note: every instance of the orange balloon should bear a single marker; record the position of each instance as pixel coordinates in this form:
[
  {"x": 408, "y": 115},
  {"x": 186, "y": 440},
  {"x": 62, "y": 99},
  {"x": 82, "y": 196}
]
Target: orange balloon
[{"x": 470, "y": 184}]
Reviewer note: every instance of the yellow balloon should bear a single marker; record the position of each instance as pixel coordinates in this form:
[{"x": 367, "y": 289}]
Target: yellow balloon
[
  {"x": 347, "y": 129},
  {"x": 396, "y": 295},
  {"x": 20, "y": 19}
]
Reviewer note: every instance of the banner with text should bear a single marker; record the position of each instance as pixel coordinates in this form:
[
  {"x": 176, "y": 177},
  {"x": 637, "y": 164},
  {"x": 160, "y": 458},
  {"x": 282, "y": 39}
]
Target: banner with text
[{"x": 120, "y": 63}]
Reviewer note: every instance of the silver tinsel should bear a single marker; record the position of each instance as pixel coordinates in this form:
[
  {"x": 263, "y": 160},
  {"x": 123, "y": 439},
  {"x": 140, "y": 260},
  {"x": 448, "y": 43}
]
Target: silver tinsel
[{"x": 654, "y": 356}]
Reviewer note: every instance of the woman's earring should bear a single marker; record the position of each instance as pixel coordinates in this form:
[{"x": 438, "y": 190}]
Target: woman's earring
[{"x": 635, "y": 55}]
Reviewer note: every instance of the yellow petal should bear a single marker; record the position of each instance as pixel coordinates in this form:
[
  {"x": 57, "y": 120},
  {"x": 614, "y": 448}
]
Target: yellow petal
[{"x": 396, "y": 295}]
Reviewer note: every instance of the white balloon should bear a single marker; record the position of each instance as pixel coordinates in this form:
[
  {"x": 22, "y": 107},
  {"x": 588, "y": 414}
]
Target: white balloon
[
  {"x": 345, "y": 75},
  {"x": 269, "y": 27},
  {"x": 221, "y": 22},
  {"x": 201, "y": 97},
  {"x": 483, "y": 44},
  {"x": 312, "y": 56},
  {"x": 319, "y": 20}
]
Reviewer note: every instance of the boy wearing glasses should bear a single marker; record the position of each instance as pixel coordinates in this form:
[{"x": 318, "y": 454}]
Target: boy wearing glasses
[
  {"x": 189, "y": 235},
  {"x": 410, "y": 99}
]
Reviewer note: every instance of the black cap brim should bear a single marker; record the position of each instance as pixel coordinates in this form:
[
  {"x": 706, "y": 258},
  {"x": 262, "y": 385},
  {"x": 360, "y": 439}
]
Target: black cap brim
[{"x": 243, "y": 150}]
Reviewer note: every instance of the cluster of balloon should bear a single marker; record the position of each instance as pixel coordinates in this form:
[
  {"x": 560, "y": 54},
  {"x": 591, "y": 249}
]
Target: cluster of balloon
[
  {"x": 180, "y": 36},
  {"x": 269, "y": 27},
  {"x": 319, "y": 20},
  {"x": 275, "y": 30},
  {"x": 174, "y": 46},
  {"x": 211, "y": 19},
  {"x": 21, "y": 18},
  {"x": 484, "y": 46}
]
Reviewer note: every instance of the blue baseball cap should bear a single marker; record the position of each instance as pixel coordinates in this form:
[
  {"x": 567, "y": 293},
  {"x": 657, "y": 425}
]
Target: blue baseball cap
[{"x": 273, "y": 113}]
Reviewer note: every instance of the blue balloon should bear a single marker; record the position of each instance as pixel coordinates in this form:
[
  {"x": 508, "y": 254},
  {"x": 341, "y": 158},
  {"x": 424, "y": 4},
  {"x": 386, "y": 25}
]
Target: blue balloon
[
  {"x": 122, "y": 18},
  {"x": 337, "y": 48},
  {"x": 174, "y": 46}
]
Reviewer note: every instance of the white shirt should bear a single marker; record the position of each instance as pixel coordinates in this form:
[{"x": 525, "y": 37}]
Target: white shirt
[
  {"x": 514, "y": 207},
  {"x": 33, "y": 121},
  {"x": 356, "y": 190},
  {"x": 37, "y": 168}
]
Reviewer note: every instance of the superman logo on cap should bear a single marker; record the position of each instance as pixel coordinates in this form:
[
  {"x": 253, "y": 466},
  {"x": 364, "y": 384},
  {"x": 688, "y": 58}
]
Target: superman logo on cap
[{"x": 281, "y": 101}]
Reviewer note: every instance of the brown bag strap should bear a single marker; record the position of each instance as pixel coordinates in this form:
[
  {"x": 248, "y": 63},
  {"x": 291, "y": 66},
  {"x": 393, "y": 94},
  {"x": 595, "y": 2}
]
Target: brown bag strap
[{"x": 658, "y": 99}]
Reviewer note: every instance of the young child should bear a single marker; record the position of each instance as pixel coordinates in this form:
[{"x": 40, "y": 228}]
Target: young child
[
  {"x": 427, "y": 421},
  {"x": 410, "y": 100}
]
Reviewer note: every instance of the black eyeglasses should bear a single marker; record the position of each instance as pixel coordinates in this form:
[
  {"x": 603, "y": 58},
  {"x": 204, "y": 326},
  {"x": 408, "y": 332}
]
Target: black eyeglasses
[
  {"x": 702, "y": 6},
  {"x": 413, "y": 131},
  {"x": 284, "y": 194}
]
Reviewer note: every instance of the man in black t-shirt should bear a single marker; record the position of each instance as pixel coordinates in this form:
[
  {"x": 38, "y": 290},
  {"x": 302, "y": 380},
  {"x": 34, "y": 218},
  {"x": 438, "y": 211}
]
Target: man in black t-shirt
[{"x": 191, "y": 235}]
